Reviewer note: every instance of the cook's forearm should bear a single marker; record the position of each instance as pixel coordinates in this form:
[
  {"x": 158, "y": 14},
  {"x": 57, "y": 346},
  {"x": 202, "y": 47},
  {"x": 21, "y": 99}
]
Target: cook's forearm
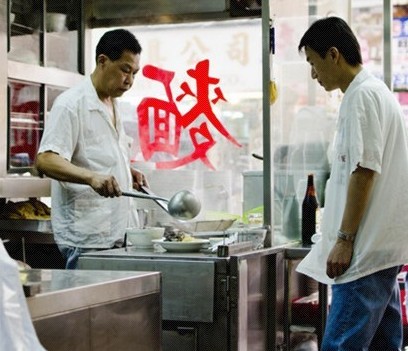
[
  {"x": 56, "y": 167},
  {"x": 358, "y": 194}
]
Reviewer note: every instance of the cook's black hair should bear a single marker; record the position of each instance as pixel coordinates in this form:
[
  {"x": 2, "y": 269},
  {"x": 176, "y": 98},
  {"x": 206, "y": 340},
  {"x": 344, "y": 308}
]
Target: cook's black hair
[
  {"x": 115, "y": 42},
  {"x": 331, "y": 32}
]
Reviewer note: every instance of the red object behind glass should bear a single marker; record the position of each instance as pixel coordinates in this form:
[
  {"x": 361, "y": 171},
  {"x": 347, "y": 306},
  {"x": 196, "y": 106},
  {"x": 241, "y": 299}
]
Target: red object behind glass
[{"x": 25, "y": 124}]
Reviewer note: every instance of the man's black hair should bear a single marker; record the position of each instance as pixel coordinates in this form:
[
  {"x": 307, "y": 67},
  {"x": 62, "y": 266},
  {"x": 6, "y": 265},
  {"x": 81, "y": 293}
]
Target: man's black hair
[
  {"x": 115, "y": 42},
  {"x": 331, "y": 32}
]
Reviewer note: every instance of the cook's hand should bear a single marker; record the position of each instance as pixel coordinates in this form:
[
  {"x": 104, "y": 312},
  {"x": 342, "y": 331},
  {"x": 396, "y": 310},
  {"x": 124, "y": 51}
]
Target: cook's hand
[
  {"x": 139, "y": 179},
  {"x": 339, "y": 258},
  {"x": 105, "y": 185}
]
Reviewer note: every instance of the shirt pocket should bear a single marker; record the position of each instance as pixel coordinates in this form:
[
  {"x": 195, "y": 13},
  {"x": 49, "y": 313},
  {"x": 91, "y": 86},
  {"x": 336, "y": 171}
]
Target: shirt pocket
[
  {"x": 99, "y": 143},
  {"x": 99, "y": 152}
]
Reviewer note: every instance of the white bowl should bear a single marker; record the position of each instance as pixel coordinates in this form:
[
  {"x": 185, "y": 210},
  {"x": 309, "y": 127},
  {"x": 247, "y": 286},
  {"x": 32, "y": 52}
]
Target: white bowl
[
  {"x": 55, "y": 22},
  {"x": 142, "y": 237}
]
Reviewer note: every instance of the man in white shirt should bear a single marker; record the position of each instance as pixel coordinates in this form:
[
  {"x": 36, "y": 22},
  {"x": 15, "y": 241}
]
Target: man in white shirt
[
  {"x": 85, "y": 150},
  {"x": 364, "y": 240}
]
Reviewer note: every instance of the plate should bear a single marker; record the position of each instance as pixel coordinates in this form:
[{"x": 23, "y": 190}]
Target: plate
[{"x": 182, "y": 246}]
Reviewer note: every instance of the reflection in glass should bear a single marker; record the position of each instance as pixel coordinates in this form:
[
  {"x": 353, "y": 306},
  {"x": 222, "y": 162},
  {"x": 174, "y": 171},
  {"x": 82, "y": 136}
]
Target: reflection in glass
[
  {"x": 304, "y": 115},
  {"x": 233, "y": 62},
  {"x": 61, "y": 39},
  {"x": 25, "y": 29},
  {"x": 25, "y": 125}
]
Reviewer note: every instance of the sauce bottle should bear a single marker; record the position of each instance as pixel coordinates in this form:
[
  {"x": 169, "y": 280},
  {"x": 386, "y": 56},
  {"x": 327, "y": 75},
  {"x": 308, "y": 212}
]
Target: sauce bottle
[{"x": 310, "y": 206}]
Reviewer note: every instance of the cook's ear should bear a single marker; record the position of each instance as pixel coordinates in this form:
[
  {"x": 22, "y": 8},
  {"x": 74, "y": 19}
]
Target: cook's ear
[
  {"x": 101, "y": 59},
  {"x": 334, "y": 53}
]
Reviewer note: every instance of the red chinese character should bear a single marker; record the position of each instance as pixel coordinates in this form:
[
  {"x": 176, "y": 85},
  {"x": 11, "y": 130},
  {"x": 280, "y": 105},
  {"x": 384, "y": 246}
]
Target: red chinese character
[{"x": 161, "y": 123}]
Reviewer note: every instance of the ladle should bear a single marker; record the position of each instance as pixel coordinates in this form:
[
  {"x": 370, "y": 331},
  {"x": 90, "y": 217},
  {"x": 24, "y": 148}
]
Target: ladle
[{"x": 182, "y": 205}]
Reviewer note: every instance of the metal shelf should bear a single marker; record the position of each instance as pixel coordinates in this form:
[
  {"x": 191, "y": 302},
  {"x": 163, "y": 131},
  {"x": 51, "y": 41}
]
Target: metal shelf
[{"x": 24, "y": 187}]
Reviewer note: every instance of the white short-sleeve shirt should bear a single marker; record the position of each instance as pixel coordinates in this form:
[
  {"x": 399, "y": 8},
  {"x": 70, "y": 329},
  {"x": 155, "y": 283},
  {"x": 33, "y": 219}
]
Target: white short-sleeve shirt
[
  {"x": 80, "y": 129},
  {"x": 371, "y": 133}
]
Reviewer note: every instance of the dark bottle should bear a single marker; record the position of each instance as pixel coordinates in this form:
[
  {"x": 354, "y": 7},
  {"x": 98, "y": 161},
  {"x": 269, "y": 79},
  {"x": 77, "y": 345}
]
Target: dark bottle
[{"x": 310, "y": 206}]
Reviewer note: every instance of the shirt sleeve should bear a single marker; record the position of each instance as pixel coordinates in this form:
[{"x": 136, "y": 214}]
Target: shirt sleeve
[
  {"x": 366, "y": 142},
  {"x": 60, "y": 132}
]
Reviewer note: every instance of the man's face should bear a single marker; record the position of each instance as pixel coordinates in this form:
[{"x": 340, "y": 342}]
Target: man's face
[
  {"x": 118, "y": 75},
  {"x": 323, "y": 70}
]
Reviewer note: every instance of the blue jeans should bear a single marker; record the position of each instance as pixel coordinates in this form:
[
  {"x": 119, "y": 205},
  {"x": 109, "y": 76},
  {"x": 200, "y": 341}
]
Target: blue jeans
[
  {"x": 71, "y": 254},
  {"x": 365, "y": 314}
]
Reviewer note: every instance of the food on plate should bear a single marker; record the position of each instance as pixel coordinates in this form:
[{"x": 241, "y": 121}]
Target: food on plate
[{"x": 177, "y": 236}]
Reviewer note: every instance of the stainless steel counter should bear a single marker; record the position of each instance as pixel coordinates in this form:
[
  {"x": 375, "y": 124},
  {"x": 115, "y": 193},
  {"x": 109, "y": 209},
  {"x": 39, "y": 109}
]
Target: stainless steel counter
[
  {"x": 210, "y": 303},
  {"x": 294, "y": 253},
  {"x": 96, "y": 310},
  {"x": 67, "y": 290}
]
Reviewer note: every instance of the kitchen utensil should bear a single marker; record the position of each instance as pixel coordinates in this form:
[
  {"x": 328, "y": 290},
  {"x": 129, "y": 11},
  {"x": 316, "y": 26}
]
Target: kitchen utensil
[
  {"x": 259, "y": 157},
  {"x": 182, "y": 205},
  {"x": 160, "y": 202}
]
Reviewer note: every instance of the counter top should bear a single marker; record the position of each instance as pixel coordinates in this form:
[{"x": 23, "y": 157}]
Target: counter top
[
  {"x": 65, "y": 290},
  {"x": 131, "y": 252},
  {"x": 296, "y": 252}
]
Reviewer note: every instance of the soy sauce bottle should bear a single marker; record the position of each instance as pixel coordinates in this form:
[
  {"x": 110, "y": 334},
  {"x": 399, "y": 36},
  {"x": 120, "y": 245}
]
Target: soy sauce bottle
[{"x": 310, "y": 206}]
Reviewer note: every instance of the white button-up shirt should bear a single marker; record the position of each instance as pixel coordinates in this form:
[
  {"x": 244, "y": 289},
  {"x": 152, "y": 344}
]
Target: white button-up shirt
[
  {"x": 371, "y": 133},
  {"x": 80, "y": 129}
]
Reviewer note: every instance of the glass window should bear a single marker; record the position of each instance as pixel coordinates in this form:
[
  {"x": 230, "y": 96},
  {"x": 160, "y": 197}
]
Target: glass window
[
  {"x": 25, "y": 31},
  {"x": 51, "y": 40},
  {"x": 195, "y": 110},
  {"x": 25, "y": 125},
  {"x": 26, "y": 122},
  {"x": 304, "y": 115},
  {"x": 61, "y": 39}
]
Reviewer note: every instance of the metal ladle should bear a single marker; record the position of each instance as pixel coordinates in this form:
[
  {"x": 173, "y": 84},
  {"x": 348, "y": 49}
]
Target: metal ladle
[{"x": 182, "y": 205}]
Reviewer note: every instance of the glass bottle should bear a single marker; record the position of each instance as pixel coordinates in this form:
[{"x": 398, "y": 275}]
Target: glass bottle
[
  {"x": 310, "y": 206},
  {"x": 290, "y": 208}
]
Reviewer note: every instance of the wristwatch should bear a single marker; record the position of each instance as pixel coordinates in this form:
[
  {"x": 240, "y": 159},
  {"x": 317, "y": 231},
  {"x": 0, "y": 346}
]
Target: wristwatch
[{"x": 346, "y": 237}]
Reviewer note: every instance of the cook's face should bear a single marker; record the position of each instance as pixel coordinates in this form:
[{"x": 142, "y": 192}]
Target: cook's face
[
  {"x": 120, "y": 74},
  {"x": 322, "y": 70}
]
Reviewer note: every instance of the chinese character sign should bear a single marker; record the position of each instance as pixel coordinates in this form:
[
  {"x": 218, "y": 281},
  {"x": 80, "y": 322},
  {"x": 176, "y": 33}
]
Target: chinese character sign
[{"x": 161, "y": 124}]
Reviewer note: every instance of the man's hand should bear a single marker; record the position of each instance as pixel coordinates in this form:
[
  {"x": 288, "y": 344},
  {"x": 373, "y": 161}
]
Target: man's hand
[
  {"x": 339, "y": 258},
  {"x": 139, "y": 179},
  {"x": 105, "y": 185}
]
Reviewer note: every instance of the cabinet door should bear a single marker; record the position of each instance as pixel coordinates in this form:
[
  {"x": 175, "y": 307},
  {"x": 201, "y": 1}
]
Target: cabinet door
[
  {"x": 62, "y": 33},
  {"x": 254, "y": 296},
  {"x": 25, "y": 125},
  {"x": 26, "y": 121},
  {"x": 49, "y": 38},
  {"x": 25, "y": 20}
]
